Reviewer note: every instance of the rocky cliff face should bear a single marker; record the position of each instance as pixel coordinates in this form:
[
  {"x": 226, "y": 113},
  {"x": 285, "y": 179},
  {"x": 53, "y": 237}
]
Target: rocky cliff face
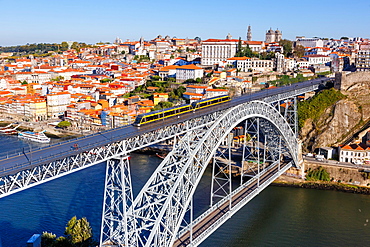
[{"x": 342, "y": 119}]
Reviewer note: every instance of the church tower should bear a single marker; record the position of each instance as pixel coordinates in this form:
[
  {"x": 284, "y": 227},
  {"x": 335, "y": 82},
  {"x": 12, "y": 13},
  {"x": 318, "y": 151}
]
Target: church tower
[
  {"x": 249, "y": 34},
  {"x": 270, "y": 36}
]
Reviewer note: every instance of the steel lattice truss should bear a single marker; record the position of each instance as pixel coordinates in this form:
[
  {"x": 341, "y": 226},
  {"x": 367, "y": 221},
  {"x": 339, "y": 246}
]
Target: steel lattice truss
[
  {"x": 117, "y": 200},
  {"x": 43, "y": 171},
  {"x": 162, "y": 203},
  {"x": 290, "y": 94}
]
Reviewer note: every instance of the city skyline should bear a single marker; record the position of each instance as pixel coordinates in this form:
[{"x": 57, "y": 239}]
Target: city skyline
[{"x": 91, "y": 21}]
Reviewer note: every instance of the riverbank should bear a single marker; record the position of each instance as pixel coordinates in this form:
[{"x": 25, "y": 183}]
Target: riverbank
[
  {"x": 319, "y": 185},
  {"x": 49, "y": 131}
]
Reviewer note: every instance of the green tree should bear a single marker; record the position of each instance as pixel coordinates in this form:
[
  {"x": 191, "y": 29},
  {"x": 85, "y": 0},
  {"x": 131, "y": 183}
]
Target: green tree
[
  {"x": 78, "y": 231},
  {"x": 287, "y": 47},
  {"x": 247, "y": 52},
  {"x": 64, "y": 124},
  {"x": 156, "y": 78},
  {"x": 239, "y": 51},
  {"x": 64, "y": 46},
  {"x": 75, "y": 46},
  {"x": 162, "y": 105},
  {"x": 180, "y": 91},
  {"x": 314, "y": 107},
  {"x": 47, "y": 239},
  {"x": 106, "y": 80},
  {"x": 299, "y": 51}
]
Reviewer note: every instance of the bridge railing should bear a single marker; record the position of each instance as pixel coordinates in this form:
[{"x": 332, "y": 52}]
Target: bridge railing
[
  {"x": 31, "y": 150},
  {"x": 225, "y": 199}
]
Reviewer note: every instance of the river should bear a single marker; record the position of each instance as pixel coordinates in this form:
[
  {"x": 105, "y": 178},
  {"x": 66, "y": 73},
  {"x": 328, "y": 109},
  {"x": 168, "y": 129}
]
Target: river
[{"x": 279, "y": 216}]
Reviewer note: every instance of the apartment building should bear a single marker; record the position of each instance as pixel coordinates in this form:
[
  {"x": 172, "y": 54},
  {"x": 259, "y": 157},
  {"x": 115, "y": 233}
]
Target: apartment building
[
  {"x": 187, "y": 72},
  {"x": 363, "y": 60},
  {"x": 57, "y": 103}
]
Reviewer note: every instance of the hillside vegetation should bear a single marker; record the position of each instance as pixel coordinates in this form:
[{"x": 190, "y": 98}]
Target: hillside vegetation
[{"x": 316, "y": 106}]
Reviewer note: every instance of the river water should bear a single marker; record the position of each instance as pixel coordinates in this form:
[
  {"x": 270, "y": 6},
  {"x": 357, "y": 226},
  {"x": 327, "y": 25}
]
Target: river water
[{"x": 277, "y": 217}]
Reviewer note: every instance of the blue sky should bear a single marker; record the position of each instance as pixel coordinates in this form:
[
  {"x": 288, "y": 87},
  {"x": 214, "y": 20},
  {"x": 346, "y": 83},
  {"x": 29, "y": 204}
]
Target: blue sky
[{"x": 91, "y": 21}]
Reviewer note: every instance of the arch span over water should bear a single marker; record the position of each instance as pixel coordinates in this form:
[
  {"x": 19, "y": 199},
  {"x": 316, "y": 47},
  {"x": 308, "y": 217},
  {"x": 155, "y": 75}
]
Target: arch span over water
[{"x": 161, "y": 205}]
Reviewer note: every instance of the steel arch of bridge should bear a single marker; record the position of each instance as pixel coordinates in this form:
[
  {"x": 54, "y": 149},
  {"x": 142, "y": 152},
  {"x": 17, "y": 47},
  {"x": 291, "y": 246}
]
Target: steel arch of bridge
[{"x": 162, "y": 203}]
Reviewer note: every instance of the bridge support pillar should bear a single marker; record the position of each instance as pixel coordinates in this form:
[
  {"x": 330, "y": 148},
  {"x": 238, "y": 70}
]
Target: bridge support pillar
[
  {"x": 221, "y": 185},
  {"x": 117, "y": 222}
]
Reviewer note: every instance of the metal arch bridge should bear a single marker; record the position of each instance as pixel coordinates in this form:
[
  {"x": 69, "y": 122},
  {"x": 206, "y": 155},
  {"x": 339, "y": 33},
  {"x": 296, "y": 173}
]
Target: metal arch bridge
[{"x": 164, "y": 205}]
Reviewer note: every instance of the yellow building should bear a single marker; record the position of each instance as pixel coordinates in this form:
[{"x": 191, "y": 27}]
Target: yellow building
[
  {"x": 159, "y": 97},
  {"x": 38, "y": 110},
  {"x": 220, "y": 74}
]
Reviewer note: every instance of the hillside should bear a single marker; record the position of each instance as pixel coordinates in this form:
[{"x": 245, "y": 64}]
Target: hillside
[{"x": 330, "y": 117}]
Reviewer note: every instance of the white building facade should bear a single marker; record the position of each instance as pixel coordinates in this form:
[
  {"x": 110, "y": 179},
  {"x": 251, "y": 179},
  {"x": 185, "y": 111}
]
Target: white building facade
[
  {"x": 187, "y": 72},
  {"x": 57, "y": 103},
  {"x": 309, "y": 42},
  {"x": 215, "y": 51}
]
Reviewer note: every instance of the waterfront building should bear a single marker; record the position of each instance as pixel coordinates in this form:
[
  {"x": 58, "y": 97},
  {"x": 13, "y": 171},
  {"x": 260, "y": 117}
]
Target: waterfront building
[
  {"x": 37, "y": 109},
  {"x": 57, "y": 103},
  {"x": 354, "y": 153}
]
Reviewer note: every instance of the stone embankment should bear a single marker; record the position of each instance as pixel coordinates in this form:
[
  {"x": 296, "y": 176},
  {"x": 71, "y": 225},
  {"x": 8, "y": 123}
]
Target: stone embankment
[
  {"x": 346, "y": 178},
  {"x": 325, "y": 186}
]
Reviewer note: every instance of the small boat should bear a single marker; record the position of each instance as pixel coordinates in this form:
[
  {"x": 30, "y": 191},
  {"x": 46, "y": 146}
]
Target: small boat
[
  {"x": 160, "y": 156},
  {"x": 5, "y": 127},
  {"x": 34, "y": 136},
  {"x": 8, "y": 130}
]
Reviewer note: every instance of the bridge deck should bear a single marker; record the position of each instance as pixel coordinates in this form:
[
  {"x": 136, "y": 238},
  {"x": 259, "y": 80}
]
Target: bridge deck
[
  {"x": 224, "y": 209},
  {"x": 27, "y": 160}
]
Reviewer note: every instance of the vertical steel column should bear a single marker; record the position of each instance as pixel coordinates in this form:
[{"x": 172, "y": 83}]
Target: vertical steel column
[
  {"x": 295, "y": 130},
  {"x": 243, "y": 154},
  {"x": 229, "y": 140},
  {"x": 191, "y": 220},
  {"x": 117, "y": 223},
  {"x": 221, "y": 173},
  {"x": 258, "y": 154},
  {"x": 213, "y": 179},
  {"x": 264, "y": 151},
  {"x": 279, "y": 157}
]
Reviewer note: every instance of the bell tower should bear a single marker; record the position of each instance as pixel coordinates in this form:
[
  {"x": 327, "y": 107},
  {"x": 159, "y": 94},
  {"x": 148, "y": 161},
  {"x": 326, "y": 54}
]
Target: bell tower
[{"x": 249, "y": 33}]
